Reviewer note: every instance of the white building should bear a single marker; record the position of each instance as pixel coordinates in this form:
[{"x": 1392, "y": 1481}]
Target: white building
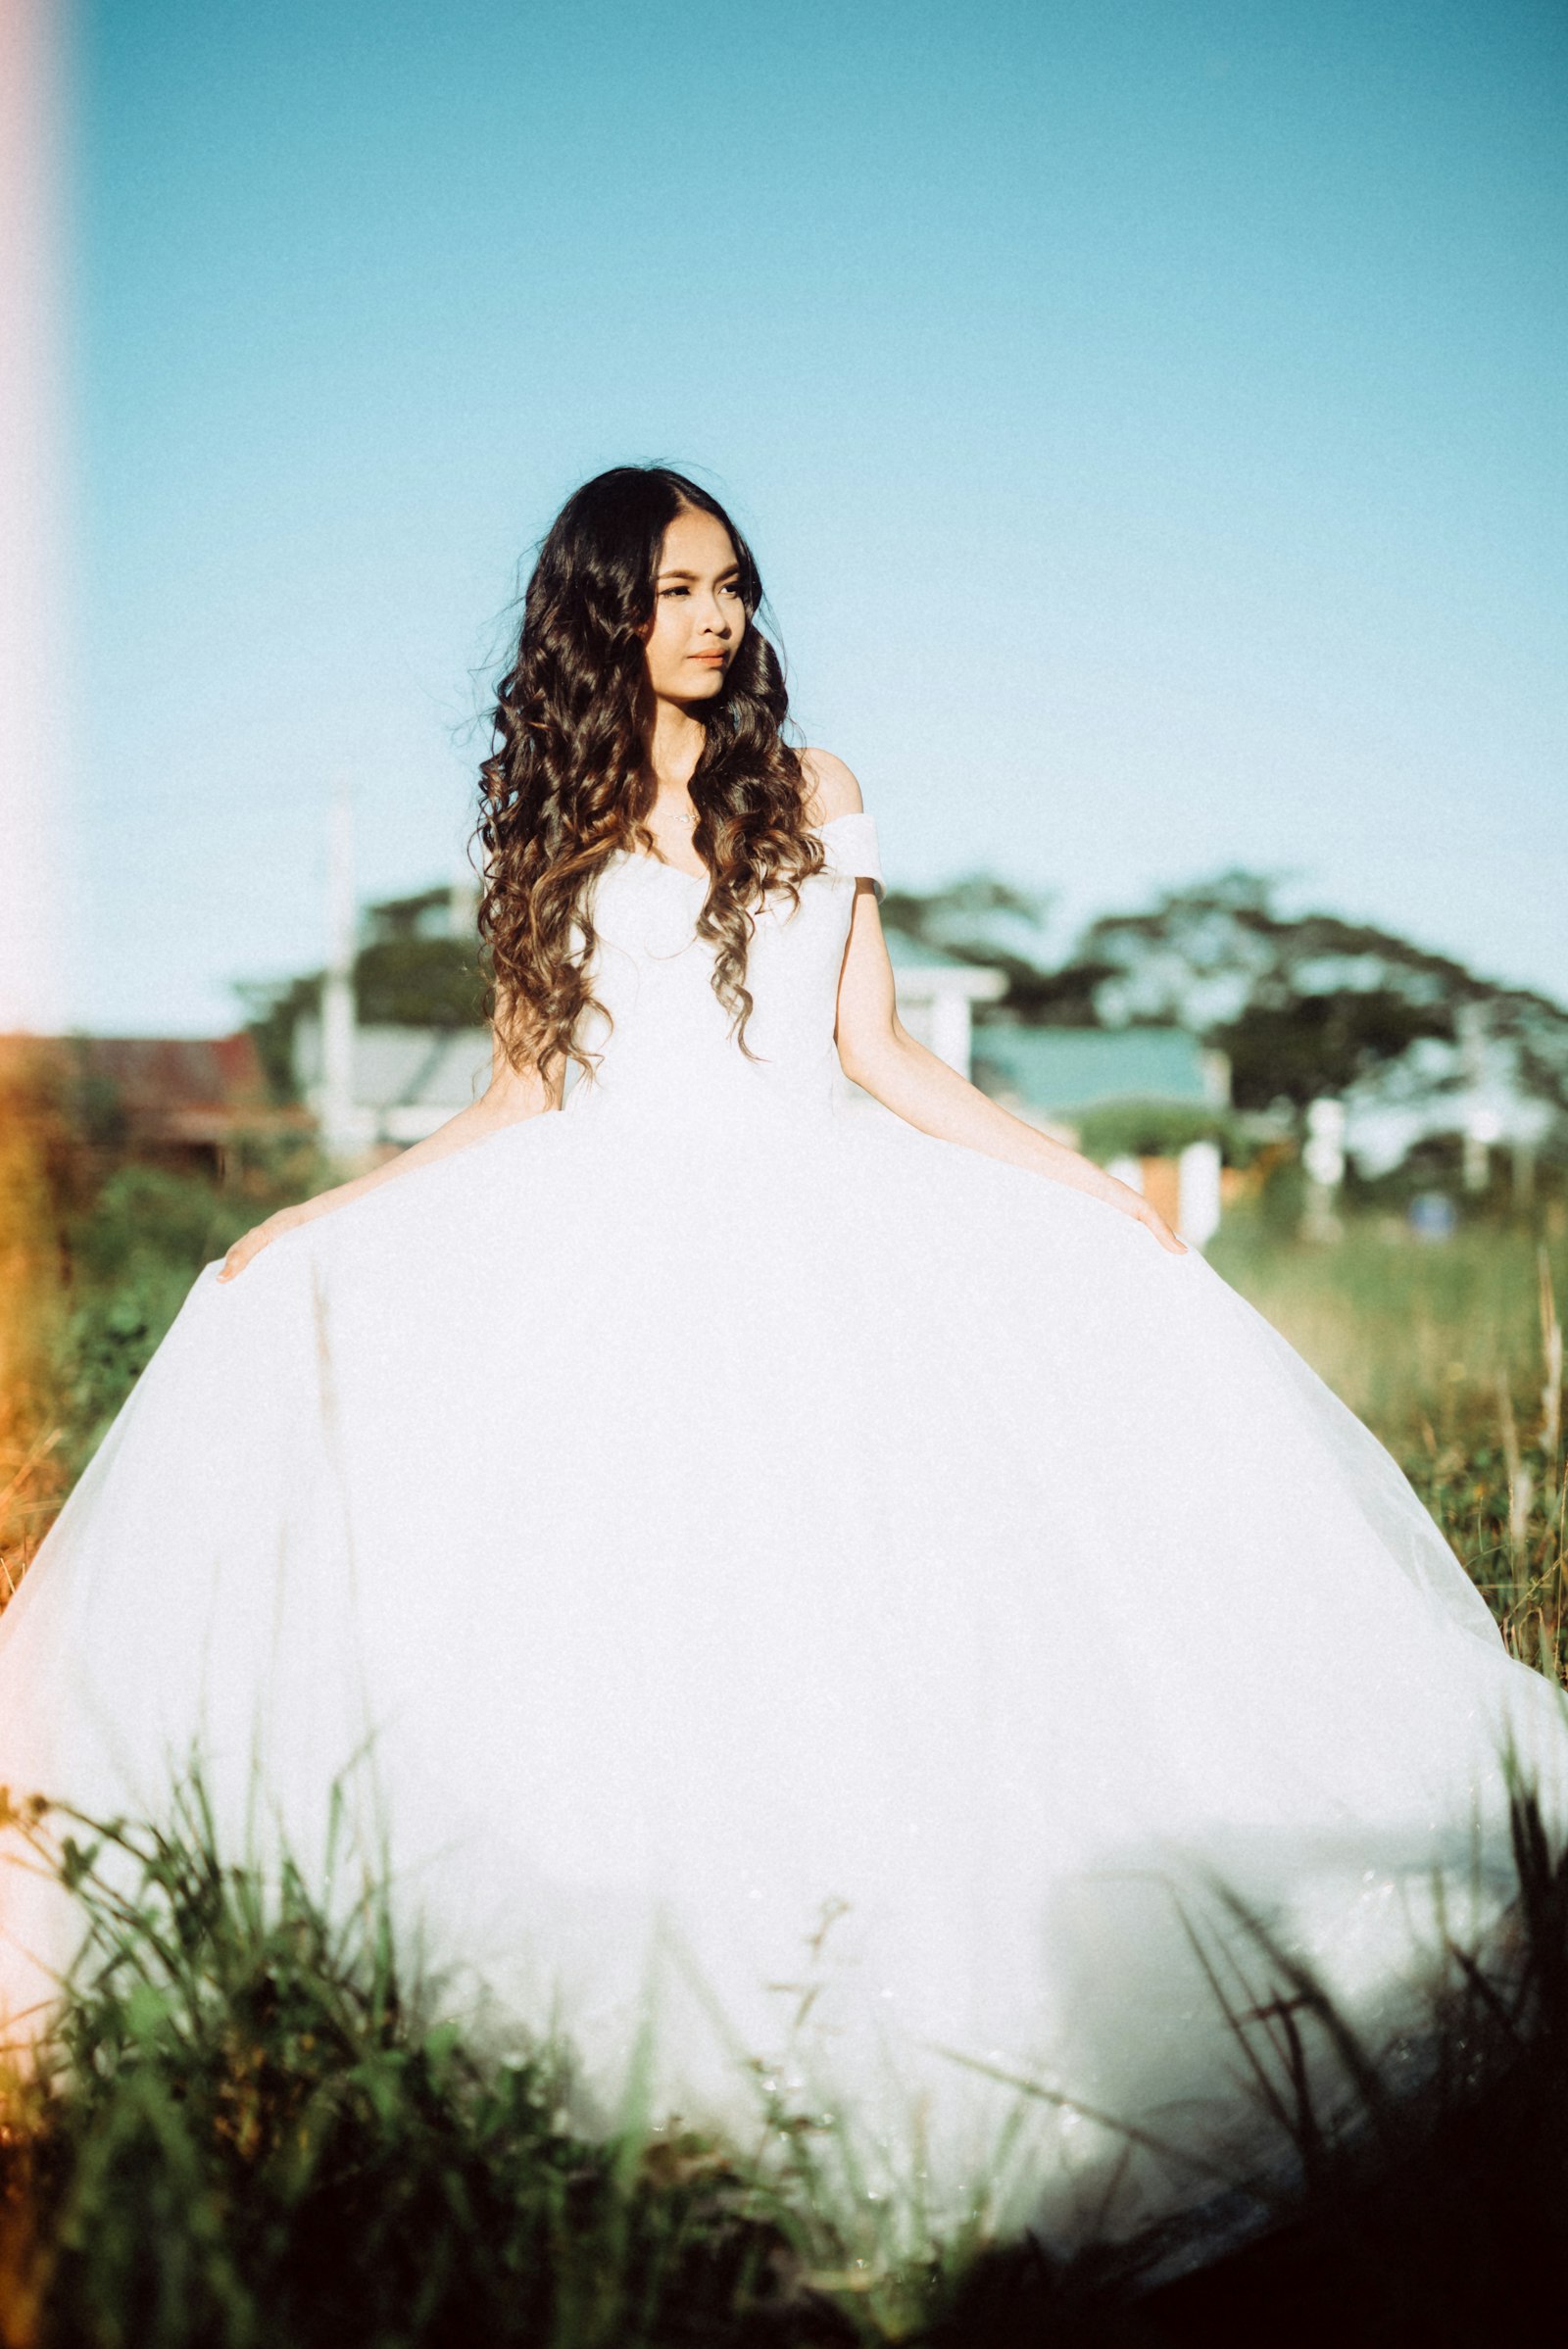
[
  {"x": 405, "y": 1081},
  {"x": 937, "y": 995}
]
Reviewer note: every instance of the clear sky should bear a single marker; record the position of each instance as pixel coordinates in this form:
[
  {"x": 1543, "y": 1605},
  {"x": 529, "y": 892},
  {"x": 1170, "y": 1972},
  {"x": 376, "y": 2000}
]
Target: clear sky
[{"x": 1150, "y": 420}]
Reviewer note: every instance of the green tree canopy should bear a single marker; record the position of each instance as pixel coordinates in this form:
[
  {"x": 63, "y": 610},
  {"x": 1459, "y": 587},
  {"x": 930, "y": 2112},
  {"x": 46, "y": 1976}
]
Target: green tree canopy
[{"x": 1303, "y": 1004}]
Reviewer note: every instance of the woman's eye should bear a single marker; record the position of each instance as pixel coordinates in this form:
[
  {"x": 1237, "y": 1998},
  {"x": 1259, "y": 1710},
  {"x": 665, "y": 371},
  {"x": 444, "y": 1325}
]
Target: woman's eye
[{"x": 673, "y": 591}]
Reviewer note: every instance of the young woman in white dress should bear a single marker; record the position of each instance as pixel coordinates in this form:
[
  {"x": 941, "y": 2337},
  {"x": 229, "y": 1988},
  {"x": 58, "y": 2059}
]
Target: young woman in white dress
[{"x": 815, "y": 1595}]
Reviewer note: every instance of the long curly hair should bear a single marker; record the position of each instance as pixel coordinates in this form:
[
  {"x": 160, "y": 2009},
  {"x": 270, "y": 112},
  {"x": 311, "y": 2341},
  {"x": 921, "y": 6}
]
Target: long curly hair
[{"x": 569, "y": 783}]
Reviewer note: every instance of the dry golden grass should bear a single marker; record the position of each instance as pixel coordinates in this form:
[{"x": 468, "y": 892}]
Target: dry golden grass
[{"x": 32, "y": 1305}]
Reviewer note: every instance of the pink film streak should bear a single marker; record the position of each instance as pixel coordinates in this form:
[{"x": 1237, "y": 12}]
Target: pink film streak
[{"x": 33, "y": 977}]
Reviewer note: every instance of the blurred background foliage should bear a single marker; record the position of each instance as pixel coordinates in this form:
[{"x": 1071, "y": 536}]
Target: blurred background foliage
[
  {"x": 406, "y": 974},
  {"x": 1304, "y": 1005}
]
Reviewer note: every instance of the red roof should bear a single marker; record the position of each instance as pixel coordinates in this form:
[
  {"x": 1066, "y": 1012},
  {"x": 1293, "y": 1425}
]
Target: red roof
[
  {"x": 174, "y": 1073},
  {"x": 170, "y": 1089}
]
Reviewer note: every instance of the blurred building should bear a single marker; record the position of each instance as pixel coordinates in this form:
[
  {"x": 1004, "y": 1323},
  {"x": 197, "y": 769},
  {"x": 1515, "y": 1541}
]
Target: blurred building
[
  {"x": 400, "y": 1082},
  {"x": 1066, "y": 1081},
  {"x": 1054, "y": 1076},
  {"x": 937, "y": 995},
  {"x": 174, "y": 1101}
]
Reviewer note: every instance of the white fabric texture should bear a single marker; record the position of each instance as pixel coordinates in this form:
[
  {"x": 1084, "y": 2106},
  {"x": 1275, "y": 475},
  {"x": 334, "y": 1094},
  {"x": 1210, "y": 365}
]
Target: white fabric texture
[{"x": 727, "y": 1513}]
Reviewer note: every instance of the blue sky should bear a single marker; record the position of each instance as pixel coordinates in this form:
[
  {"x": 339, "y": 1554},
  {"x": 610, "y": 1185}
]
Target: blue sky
[{"x": 1149, "y": 419}]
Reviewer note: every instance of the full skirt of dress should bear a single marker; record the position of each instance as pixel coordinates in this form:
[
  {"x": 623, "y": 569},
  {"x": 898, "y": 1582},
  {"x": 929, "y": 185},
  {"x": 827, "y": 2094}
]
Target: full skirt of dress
[{"x": 805, "y": 1601}]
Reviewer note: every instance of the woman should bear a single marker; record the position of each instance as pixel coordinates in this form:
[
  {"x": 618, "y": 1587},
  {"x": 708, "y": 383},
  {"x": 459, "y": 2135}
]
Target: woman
[{"x": 823, "y": 1591}]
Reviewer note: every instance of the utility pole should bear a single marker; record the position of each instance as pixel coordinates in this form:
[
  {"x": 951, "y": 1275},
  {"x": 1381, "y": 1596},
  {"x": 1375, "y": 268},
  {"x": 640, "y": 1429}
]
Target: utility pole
[{"x": 343, "y": 1127}]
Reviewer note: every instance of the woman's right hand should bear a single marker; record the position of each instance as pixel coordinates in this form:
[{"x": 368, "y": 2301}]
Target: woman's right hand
[
  {"x": 511, "y": 1095},
  {"x": 251, "y": 1244}
]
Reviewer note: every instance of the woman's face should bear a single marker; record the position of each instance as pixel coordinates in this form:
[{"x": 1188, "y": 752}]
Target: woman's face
[{"x": 698, "y": 617}]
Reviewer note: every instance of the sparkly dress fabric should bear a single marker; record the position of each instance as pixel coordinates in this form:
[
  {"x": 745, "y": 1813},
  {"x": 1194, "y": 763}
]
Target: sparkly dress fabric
[{"x": 810, "y": 1611}]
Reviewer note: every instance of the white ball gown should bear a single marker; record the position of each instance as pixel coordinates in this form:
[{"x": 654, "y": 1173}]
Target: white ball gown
[{"x": 817, "y": 1606}]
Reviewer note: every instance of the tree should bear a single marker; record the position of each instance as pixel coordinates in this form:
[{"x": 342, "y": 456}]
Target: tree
[
  {"x": 411, "y": 972},
  {"x": 1304, "y": 1005},
  {"x": 1308, "y": 1005}
]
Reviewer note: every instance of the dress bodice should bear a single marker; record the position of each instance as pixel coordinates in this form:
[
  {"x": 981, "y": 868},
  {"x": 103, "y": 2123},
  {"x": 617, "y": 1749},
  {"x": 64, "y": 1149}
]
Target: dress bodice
[{"x": 665, "y": 1031}]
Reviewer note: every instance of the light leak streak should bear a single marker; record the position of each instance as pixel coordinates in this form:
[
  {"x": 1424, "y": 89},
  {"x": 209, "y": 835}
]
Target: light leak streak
[{"x": 33, "y": 970}]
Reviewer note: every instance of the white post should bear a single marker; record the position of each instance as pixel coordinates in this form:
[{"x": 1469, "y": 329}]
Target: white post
[
  {"x": 342, "y": 1127},
  {"x": 1324, "y": 1157},
  {"x": 1197, "y": 1172},
  {"x": 1482, "y": 1126},
  {"x": 950, "y": 1028}
]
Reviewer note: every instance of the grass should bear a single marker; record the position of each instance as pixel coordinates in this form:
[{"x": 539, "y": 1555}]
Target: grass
[
  {"x": 244, "y": 2132},
  {"x": 1452, "y": 1352},
  {"x": 1406, "y": 1331},
  {"x": 92, "y": 1276}
]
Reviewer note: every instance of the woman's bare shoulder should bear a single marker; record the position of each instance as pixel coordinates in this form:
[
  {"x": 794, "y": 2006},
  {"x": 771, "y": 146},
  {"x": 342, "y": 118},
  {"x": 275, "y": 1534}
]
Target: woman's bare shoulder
[{"x": 831, "y": 790}]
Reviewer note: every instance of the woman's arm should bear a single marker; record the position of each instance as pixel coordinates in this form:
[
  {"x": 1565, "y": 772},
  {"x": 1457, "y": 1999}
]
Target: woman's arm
[
  {"x": 511, "y": 1095},
  {"x": 879, "y": 1053}
]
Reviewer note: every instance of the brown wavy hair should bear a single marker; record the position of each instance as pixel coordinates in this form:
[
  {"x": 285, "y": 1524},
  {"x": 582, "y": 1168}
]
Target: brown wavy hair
[{"x": 568, "y": 782}]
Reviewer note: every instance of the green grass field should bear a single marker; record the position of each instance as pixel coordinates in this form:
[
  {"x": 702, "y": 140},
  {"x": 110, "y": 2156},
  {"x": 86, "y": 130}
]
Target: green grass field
[{"x": 1452, "y": 1352}]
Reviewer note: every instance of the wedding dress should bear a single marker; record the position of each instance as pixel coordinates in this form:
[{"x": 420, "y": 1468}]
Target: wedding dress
[{"x": 818, "y": 1610}]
